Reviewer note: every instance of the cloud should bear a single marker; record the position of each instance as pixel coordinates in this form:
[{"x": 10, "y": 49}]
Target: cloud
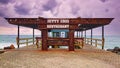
[
  {"x": 75, "y": 10},
  {"x": 21, "y": 9},
  {"x": 103, "y": 1},
  {"x": 50, "y": 5},
  {"x": 7, "y": 10},
  {"x": 4, "y": 1},
  {"x": 2, "y": 14},
  {"x": 107, "y": 10},
  {"x": 61, "y": 9}
]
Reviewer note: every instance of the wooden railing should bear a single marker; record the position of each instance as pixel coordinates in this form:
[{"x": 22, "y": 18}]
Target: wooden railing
[
  {"x": 24, "y": 41},
  {"x": 38, "y": 42},
  {"x": 94, "y": 42},
  {"x": 79, "y": 42}
]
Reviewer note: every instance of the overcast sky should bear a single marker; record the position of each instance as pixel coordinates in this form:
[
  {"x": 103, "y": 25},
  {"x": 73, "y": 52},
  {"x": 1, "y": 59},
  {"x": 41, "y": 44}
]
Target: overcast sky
[{"x": 60, "y": 8}]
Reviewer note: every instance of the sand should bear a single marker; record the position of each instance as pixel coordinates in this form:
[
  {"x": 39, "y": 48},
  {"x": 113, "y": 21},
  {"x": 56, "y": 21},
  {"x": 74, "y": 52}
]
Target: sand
[{"x": 59, "y": 58}]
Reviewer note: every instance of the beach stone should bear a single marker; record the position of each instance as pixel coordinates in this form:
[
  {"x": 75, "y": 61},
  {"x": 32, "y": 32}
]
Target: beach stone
[
  {"x": 77, "y": 47},
  {"x": 116, "y": 49},
  {"x": 2, "y": 51},
  {"x": 118, "y": 53},
  {"x": 6, "y": 48},
  {"x": 109, "y": 49},
  {"x": 12, "y": 46}
]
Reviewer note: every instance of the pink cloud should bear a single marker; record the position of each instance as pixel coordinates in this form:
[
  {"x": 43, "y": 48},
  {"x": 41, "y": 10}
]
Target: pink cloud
[{"x": 61, "y": 8}]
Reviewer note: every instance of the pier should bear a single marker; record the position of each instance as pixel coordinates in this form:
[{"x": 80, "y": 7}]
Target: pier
[
  {"x": 46, "y": 51},
  {"x": 62, "y": 31}
]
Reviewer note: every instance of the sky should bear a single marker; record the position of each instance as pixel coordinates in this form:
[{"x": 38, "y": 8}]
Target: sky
[{"x": 59, "y": 9}]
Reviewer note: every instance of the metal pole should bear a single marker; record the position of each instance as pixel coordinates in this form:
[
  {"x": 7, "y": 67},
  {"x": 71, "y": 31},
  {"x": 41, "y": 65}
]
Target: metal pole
[{"x": 103, "y": 37}]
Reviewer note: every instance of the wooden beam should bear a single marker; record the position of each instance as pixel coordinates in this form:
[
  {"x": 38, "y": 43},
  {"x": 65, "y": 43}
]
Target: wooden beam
[
  {"x": 33, "y": 35},
  {"x": 71, "y": 40},
  {"x": 103, "y": 40},
  {"x": 77, "y": 34},
  {"x": 85, "y": 36},
  {"x": 81, "y": 34},
  {"x": 102, "y": 21},
  {"x": 18, "y": 36},
  {"x": 44, "y": 39},
  {"x": 91, "y": 36}
]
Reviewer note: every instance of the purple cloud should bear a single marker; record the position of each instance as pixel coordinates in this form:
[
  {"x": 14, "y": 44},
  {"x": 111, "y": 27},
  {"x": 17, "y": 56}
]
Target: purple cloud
[
  {"x": 106, "y": 10},
  {"x": 75, "y": 10},
  {"x": 4, "y": 1},
  {"x": 50, "y": 5},
  {"x": 61, "y": 8},
  {"x": 2, "y": 14},
  {"x": 103, "y": 0},
  {"x": 21, "y": 9}
]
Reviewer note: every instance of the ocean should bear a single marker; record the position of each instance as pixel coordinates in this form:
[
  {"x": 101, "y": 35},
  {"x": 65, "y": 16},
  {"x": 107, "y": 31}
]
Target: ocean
[
  {"x": 110, "y": 41},
  {"x": 7, "y": 40}
]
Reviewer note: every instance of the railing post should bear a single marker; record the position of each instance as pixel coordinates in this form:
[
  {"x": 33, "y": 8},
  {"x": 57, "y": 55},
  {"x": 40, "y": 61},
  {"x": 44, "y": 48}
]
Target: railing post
[
  {"x": 27, "y": 41},
  {"x": 82, "y": 42},
  {"x": 17, "y": 41},
  {"x": 96, "y": 43},
  {"x": 37, "y": 42},
  {"x": 103, "y": 41},
  {"x": 87, "y": 40}
]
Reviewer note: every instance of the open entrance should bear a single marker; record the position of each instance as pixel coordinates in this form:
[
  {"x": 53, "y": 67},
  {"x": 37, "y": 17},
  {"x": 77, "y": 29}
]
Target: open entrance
[{"x": 58, "y": 38}]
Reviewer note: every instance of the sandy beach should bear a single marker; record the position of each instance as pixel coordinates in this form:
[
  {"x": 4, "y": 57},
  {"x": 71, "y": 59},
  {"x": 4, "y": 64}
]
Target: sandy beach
[{"x": 59, "y": 58}]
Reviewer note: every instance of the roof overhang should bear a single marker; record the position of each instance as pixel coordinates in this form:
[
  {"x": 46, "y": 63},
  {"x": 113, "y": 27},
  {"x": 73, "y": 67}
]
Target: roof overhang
[{"x": 83, "y": 23}]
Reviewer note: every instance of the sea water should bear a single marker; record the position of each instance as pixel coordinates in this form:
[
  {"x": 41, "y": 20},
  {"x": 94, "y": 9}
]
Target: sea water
[
  {"x": 7, "y": 40},
  {"x": 110, "y": 41}
]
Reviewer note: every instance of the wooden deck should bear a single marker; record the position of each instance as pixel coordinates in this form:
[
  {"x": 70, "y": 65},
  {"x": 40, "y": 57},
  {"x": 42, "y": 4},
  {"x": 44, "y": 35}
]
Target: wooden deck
[
  {"x": 89, "y": 52},
  {"x": 89, "y": 48}
]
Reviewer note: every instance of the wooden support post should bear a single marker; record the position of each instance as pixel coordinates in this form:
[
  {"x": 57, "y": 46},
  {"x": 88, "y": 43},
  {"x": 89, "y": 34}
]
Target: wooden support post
[
  {"x": 71, "y": 40},
  {"x": 95, "y": 43},
  {"x": 18, "y": 36},
  {"x": 77, "y": 34},
  {"x": 103, "y": 40},
  {"x": 37, "y": 43},
  {"x": 33, "y": 36},
  {"x": 81, "y": 34},
  {"x": 85, "y": 37},
  {"x": 44, "y": 40},
  {"x": 82, "y": 42},
  {"x": 91, "y": 36},
  {"x": 27, "y": 42},
  {"x": 87, "y": 41}
]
